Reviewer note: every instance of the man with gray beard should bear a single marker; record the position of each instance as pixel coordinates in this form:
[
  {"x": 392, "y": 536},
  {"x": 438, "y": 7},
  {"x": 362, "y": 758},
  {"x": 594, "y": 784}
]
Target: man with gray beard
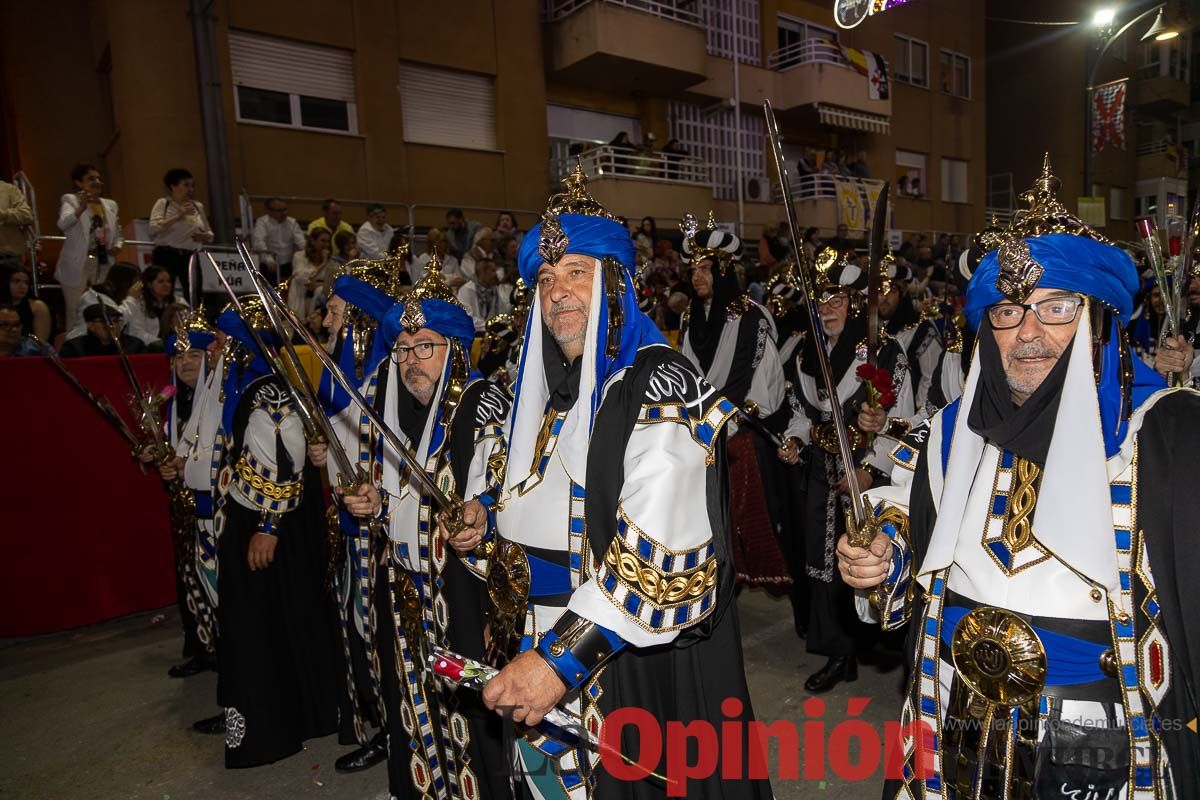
[
  {"x": 440, "y": 745},
  {"x": 606, "y": 528},
  {"x": 1038, "y": 542}
]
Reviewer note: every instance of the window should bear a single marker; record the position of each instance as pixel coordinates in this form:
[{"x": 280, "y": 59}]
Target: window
[
  {"x": 1146, "y": 206},
  {"x": 956, "y": 74},
  {"x": 294, "y": 85},
  {"x": 910, "y": 174},
  {"x": 1170, "y": 59},
  {"x": 1118, "y": 203},
  {"x": 912, "y": 61},
  {"x": 715, "y": 138},
  {"x": 448, "y": 108},
  {"x": 954, "y": 180},
  {"x": 793, "y": 31}
]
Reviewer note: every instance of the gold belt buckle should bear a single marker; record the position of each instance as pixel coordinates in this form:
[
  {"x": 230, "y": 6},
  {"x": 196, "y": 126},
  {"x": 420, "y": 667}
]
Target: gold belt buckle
[
  {"x": 824, "y": 434},
  {"x": 999, "y": 656}
]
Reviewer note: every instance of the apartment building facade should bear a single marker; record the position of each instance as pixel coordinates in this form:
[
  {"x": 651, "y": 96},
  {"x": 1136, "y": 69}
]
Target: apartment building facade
[{"x": 422, "y": 106}]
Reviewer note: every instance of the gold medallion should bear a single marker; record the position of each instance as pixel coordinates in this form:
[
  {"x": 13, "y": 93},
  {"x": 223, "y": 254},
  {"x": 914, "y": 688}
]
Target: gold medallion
[
  {"x": 999, "y": 656},
  {"x": 508, "y": 579}
]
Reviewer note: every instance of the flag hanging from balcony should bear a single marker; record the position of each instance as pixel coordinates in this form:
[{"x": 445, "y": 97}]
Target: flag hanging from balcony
[
  {"x": 856, "y": 202},
  {"x": 873, "y": 66},
  {"x": 1108, "y": 115}
]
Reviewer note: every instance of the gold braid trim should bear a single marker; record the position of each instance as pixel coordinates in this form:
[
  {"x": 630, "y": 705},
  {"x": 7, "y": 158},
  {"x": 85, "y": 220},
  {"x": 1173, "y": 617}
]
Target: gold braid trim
[
  {"x": 656, "y": 586},
  {"x": 1018, "y": 529},
  {"x": 267, "y": 488}
]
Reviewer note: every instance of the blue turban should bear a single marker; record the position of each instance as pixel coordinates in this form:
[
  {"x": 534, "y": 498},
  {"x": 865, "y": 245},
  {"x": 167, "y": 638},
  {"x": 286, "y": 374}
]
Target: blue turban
[
  {"x": 1098, "y": 270},
  {"x": 238, "y": 376},
  {"x": 598, "y": 237},
  {"x": 357, "y": 292},
  {"x": 197, "y": 340},
  {"x": 375, "y": 303},
  {"x": 1070, "y": 262},
  {"x": 448, "y": 319}
]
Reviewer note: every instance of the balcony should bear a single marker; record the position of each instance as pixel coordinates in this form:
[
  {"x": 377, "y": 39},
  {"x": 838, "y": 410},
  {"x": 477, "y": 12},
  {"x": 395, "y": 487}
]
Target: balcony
[
  {"x": 637, "y": 183},
  {"x": 810, "y": 82},
  {"x": 816, "y": 73},
  {"x": 654, "y": 47},
  {"x": 1159, "y": 158},
  {"x": 816, "y": 198},
  {"x": 1156, "y": 90}
]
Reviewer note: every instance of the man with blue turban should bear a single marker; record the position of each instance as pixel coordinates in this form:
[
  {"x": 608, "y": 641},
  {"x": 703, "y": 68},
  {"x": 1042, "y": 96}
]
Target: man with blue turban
[
  {"x": 363, "y": 292},
  {"x": 1040, "y": 537},
  {"x": 193, "y": 350},
  {"x": 607, "y": 540},
  {"x": 422, "y": 595},
  {"x": 277, "y": 651}
]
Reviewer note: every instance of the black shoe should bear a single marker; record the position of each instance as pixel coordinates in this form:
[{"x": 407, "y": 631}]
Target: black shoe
[
  {"x": 213, "y": 726},
  {"x": 836, "y": 670},
  {"x": 193, "y": 666},
  {"x": 364, "y": 757}
]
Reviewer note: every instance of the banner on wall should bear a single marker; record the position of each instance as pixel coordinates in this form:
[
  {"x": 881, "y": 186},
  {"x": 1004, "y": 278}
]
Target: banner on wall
[{"x": 1108, "y": 115}]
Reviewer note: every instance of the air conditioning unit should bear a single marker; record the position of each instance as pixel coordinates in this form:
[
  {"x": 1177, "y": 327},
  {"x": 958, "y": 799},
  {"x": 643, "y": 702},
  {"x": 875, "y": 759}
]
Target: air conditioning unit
[{"x": 758, "y": 189}]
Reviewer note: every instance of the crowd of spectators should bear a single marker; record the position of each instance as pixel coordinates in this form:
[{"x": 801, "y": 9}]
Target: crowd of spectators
[
  {"x": 478, "y": 260},
  {"x": 841, "y": 163}
]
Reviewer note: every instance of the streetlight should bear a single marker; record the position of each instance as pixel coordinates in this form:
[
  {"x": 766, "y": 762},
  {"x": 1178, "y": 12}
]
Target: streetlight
[
  {"x": 1160, "y": 31},
  {"x": 1104, "y": 17}
]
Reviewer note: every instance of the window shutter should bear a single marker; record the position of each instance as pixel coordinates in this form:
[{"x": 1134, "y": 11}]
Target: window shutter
[
  {"x": 265, "y": 62},
  {"x": 448, "y": 108}
]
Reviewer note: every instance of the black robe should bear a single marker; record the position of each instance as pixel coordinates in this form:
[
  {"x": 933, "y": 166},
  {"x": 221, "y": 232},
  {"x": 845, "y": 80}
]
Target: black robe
[
  {"x": 688, "y": 679},
  {"x": 278, "y": 651}
]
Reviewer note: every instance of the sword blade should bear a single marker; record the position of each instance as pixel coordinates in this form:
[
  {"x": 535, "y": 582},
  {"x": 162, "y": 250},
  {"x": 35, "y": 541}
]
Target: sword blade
[
  {"x": 348, "y": 472},
  {"x": 272, "y": 357},
  {"x": 875, "y": 274},
  {"x": 808, "y": 281},
  {"x": 100, "y": 404},
  {"x": 417, "y": 471}
]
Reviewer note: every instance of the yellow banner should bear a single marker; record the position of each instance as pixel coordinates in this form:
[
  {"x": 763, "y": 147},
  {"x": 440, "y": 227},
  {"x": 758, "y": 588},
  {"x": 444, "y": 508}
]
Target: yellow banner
[{"x": 856, "y": 200}]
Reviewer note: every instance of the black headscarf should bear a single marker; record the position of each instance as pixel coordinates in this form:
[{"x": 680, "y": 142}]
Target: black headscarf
[
  {"x": 562, "y": 377},
  {"x": 906, "y": 314},
  {"x": 704, "y": 331},
  {"x": 1026, "y": 429},
  {"x": 843, "y": 353}
]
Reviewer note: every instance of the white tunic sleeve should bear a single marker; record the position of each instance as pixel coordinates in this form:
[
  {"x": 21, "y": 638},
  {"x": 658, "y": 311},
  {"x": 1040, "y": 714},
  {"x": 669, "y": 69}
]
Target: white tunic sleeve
[{"x": 659, "y": 575}]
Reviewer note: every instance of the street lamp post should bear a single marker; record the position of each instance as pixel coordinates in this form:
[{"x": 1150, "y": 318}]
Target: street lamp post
[{"x": 1159, "y": 31}]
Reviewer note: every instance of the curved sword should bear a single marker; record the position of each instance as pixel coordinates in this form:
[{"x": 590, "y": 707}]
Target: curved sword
[
  {"x": 858, "y": 513},
  {"x": 447, "y": 501}
]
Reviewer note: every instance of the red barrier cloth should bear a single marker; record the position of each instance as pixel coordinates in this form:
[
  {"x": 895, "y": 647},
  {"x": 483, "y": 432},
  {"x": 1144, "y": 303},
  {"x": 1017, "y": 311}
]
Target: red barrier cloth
[{"x": 86, "y": 537}]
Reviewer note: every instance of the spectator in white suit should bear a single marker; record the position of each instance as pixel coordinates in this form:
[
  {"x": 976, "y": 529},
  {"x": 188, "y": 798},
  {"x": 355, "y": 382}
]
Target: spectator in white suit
[{"x": 93, "y": 235}]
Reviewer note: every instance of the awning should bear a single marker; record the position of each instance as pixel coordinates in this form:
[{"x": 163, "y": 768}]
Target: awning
[{"x": 856, "y": 120}]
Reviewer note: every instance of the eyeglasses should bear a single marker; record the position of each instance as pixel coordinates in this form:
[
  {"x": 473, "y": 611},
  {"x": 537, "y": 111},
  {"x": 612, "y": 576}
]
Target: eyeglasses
[
  {"x": 833, "y": 299},
  {"x": 422, "y": 350},
  {"x": 1051, "y": 311}
]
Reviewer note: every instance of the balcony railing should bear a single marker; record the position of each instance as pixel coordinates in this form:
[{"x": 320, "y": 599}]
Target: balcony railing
[
  {"x": 822, "y": 187},
  {"x": 1156, "y": 147},
  {"x": 684, "y": 11},
  {"x": 617, "y": 162},
  {"x": 808, "y": 51}
]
